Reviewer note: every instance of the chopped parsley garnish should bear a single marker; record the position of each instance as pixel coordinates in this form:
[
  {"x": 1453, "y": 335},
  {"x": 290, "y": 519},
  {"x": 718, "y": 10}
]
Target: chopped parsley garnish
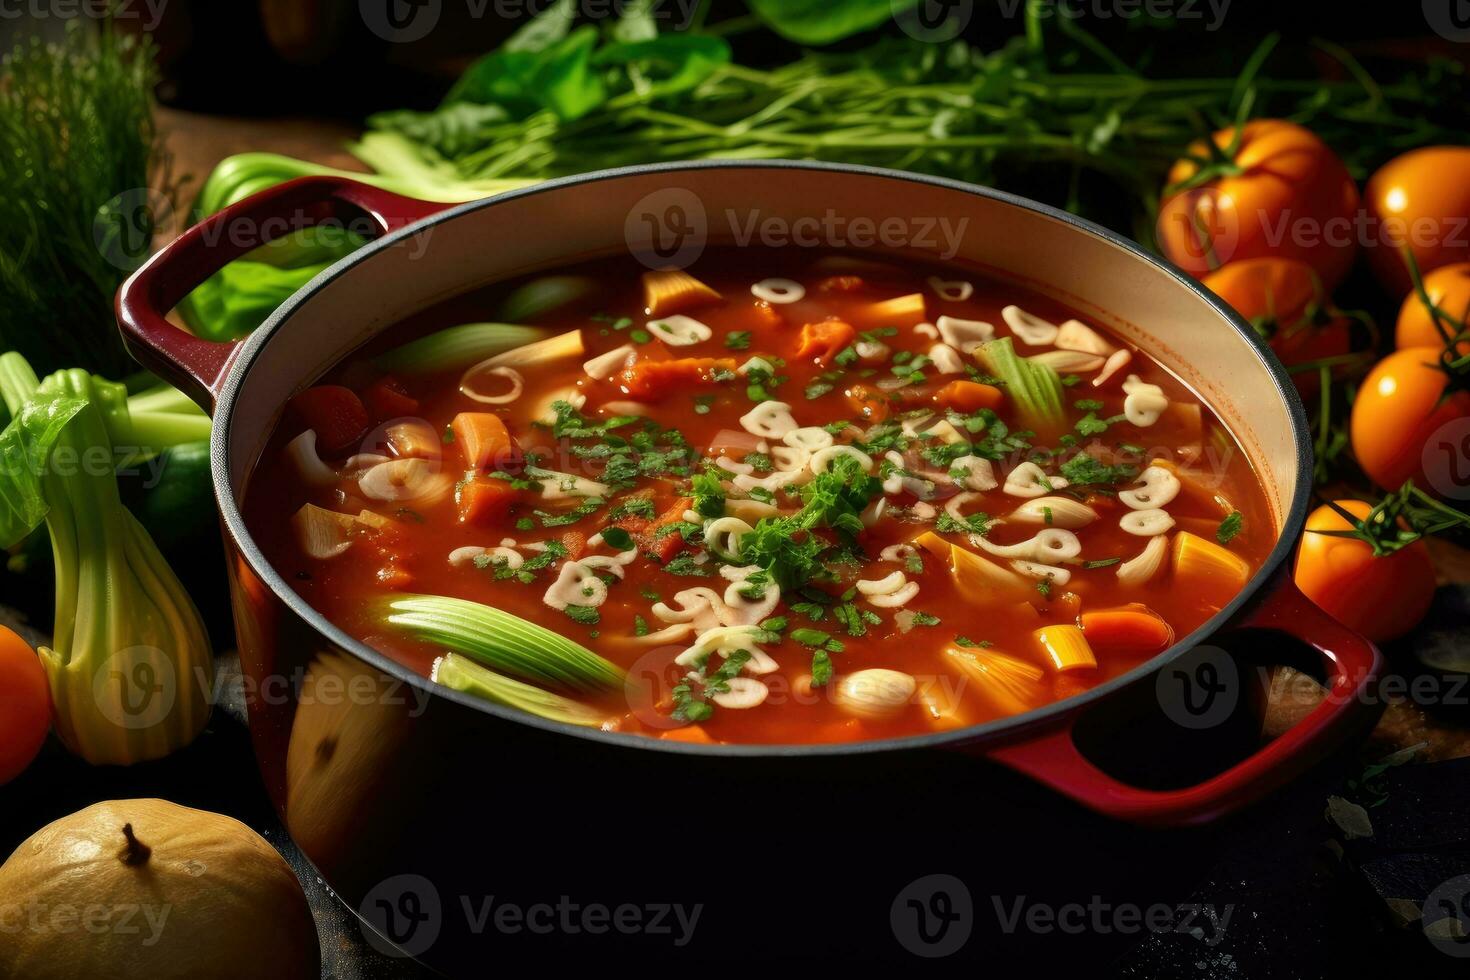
[
  {"x": 709, "y": 495},
  {"x": 1229, "y": 527},
  {"x": 1083, "y": 470},
  {"x": 786, "y": 547},
  {"x": 586, "y": 615},
  {"x": 583, "y": 510},
  {"x": 976, "y": 523},
  {"x": 821, "y": 668},
  {"x": 965, "y": 641},
  {"x": 684, "y": 564},
  {"x": 692, "y": 706},
  {"x": 1101, "y": 562},
  {"x": 737, "y": 340},
  {"x": 640, "y": 626},
  {"x": 617, "y": 538},
  {"x": 925, "y": 619},
  {"x": 632, "y": 507}
]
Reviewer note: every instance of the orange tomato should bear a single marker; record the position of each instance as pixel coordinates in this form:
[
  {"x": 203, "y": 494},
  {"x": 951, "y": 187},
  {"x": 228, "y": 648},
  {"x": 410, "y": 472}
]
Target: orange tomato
[
  {"x": 1401, "y": 404},
  {"x": 1381, "y": 597},
  {"x": 25, "y": 705},
  {"x": 1448, "y": 288},
  {"x": 1284, "y": 300},
  {"x": 1420, "y": 199},
  {"x": 1285, "y": 195}
]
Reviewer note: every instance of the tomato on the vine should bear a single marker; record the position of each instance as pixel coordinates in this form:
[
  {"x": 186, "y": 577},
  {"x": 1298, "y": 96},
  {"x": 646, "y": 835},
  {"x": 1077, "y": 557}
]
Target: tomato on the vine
[
  {"x": 1276, "y": 191},
  {"x": 1419, "y": 199},
  {"x": 1402, "y": 402},
  {"x": 1284, "y": 301},
  {"x": 1448, "y": 288},
  {"x": 1381, "y": 596}
]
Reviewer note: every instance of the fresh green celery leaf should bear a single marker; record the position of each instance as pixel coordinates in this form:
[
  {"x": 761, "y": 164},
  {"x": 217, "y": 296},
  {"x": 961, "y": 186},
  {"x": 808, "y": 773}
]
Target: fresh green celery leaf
[
  {"x": 825, "y": 21},
  {"x": 25, "y": 450},
  {"x": 675, "y": 62}
]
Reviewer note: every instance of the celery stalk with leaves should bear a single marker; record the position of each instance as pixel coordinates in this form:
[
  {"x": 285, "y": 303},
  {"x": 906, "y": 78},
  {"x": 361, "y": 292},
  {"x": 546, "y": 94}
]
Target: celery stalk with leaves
[{"x": 130, "y": 668}]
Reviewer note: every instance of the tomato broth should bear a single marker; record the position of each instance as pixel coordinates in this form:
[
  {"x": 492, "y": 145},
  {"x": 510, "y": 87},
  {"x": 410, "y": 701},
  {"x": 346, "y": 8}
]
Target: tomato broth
[{"x": 797, "y": 498}]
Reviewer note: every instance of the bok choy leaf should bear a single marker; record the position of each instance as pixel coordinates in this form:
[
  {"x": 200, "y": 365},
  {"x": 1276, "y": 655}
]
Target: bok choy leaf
[{"x": 500, "y": 641}]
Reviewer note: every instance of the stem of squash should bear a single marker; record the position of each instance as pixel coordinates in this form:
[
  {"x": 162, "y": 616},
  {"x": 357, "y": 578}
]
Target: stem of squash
[{"x": 135, "y": 852}]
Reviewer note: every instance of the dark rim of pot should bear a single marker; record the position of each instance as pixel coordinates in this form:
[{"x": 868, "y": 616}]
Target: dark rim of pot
[{"x": 1013, "y": 727}]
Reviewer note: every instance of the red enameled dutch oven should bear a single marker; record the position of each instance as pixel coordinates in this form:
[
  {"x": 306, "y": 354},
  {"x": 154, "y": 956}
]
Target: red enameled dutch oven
[{"x": 403, "y": 778}]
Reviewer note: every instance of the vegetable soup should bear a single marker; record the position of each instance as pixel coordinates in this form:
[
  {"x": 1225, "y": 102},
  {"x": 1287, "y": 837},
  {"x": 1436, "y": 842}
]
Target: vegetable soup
[{"x": 771, "y": 498}]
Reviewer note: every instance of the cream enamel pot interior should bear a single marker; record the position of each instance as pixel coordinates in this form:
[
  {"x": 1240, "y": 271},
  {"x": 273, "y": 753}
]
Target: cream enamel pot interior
[{"x": 327, "y": 765}]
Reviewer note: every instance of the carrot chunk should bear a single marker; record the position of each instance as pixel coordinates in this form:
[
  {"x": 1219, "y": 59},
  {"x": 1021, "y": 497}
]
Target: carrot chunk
[
  {"x": 867, "y": 402},
  {"x": 1134, "y": 628},
  {"x": 968, "y": 396},
  {"x": 484, "y": 440},
  {"x": 387, "y": 399},
  {"x": 484, "y": 500},
  {"x": 692, "y": 734},
  {"x": 335, "y": 414},
  {"x": 651, "y": 380},
  {"x": 824, "y": 340},
  {"x": 659, "y": 540}
]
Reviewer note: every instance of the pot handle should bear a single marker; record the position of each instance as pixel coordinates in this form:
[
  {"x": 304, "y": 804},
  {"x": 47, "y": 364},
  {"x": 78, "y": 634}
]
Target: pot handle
[
  {"x": 1351, "y": 662},
  {"x": 198, "y": 366}
]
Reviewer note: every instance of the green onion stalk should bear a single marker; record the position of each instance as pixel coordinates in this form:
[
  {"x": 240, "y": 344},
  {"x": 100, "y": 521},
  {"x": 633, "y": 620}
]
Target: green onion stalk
[{"x": 130, "y": 667}]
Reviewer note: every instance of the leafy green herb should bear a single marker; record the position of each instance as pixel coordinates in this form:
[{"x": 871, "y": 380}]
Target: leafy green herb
[
  {"x": 1084, "y": 470},
  {"x": 737, "y": 340},
  {"x": 709, "y": 495},
  {"x": 586, "y": 615},
  {"x": 617, "y": 538},
  {"x": 1229, "y": 527}
]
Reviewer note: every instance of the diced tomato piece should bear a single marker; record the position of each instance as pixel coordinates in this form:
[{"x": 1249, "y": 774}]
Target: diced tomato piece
[
  {"x": 824, "y": 339},
  {"x": 652, "y": 380},
  {"x": 484, "y": 500},
  {"x": 485, "y": 441},
  {"x": 870, "y": 404},
  {"x": 387, "y": 399},
  {"x": 335, "y": 414},
  {"x": 968, "y": 396},
  {"x": 767, "y": 314},
  {"x": 662, "y": 544},
  {"x": 840, "y": 284},
  {"x": 575, "y": 542}
]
